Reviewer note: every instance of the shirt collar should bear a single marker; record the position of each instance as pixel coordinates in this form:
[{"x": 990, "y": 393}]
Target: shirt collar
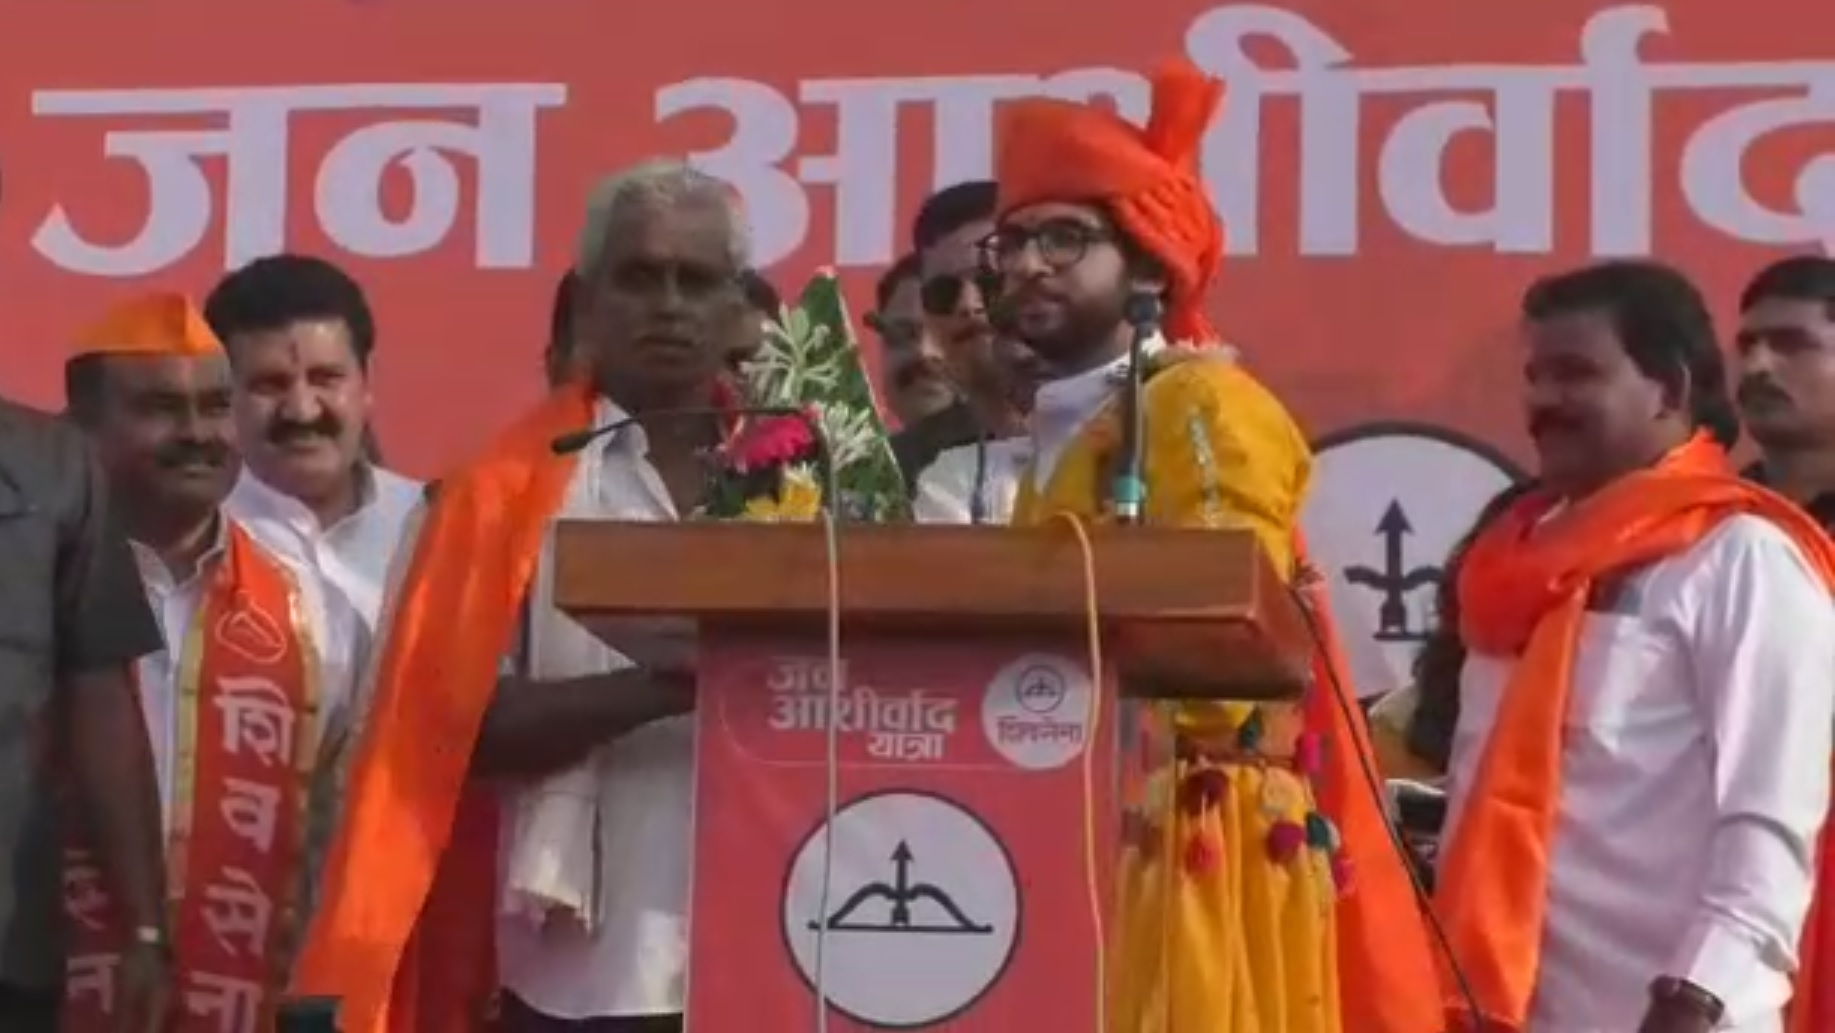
[
  {"x": 1065, "y": 403},
  {"x": 156, "y": 574},
  {"x": 373, "y": 484}
]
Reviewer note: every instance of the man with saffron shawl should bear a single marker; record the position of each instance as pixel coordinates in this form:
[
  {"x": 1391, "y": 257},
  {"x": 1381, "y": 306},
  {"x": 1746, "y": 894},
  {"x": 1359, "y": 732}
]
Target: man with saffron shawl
[
  {"x": 1268, "y": 897},
  {"x": 1640, "y": 771},
  {"x": 416, "y": 930},
  {"x": 257, "y": 664}
]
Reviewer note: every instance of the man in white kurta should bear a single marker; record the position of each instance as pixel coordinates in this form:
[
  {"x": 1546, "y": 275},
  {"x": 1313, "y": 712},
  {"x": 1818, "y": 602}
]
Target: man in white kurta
[
  {"x": 1640, "y": 770},
  {"x": 1671, "y": 853}
]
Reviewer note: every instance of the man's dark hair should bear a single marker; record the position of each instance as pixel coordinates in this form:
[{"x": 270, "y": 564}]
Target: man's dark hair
[
  {"x": 760, "y": 294},
  {"x": 906, "y": 268},
  {"x": 1664, "y": 324},
  {"x": 85, "y": 388},
  {"x": 952, "y": 208},
  {"x": 1799, "y": 278},
  {"x": 278, "y": 291}
]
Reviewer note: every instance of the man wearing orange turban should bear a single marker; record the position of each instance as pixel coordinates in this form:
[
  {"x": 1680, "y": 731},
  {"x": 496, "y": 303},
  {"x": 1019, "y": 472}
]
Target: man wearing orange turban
[
  {"x": 1261, "y": 892},
  {"x": 254, "y": 667}
]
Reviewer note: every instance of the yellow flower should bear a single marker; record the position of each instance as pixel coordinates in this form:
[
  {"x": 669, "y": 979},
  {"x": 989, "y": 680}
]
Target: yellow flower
[{"x": 798, "y": 500}]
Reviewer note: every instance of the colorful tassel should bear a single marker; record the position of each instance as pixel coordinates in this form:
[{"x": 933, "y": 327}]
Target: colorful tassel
[
  {"x": 1201, "y": 855},
  {"x": 1201, "y": 790},
  {"x": 1344, "y": 874},
  {"x": 1280, "y": 795},
  {"x": 1249, "y": 734},
  {"x": 1306, "y": 754},
  {"x": 1321, "y": 834},
  {"x": 1285, "y": 838}
]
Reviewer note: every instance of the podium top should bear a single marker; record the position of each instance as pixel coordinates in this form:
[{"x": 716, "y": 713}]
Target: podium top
[{"x": 1191, "y": 613}]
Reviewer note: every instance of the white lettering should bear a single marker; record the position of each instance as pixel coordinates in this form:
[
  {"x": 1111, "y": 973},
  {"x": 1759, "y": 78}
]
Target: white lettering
[
  {"x": 1513, "y": 105},
  {"x": 905, "y": 747},
  {"x": 797, "y": 674},
  {"x": 864, "y": 709},
  {"x": 763, "y": 137},
  {"x": 256, "y": 717},
  {"x": 1013, "y": 729},
  {"x": 1713, "y": 163},
  {"x": 235, "y": 908},
  {"x": 252, "y": 811},
  {"x": 253, "y": 140},
  {"x": 234, "y": 1003},
  {"x": 92, "y": 975}
]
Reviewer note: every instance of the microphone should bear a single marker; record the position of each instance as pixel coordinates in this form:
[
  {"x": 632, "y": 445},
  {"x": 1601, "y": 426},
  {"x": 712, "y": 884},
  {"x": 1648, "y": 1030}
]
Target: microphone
[
  {"x": 1129, "y": 491},
  {"x": 575, "y": 441}
]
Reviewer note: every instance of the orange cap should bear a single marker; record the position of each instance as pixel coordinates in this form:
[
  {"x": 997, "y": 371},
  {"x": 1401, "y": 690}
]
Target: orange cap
[
  {"x": 155, "y": 324},
  {"x": 1053, "y": 150}
]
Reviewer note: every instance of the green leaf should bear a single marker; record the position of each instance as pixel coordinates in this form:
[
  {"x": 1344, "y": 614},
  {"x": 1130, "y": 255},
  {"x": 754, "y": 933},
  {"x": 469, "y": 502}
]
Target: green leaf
[{"x": 811, "y": 357}]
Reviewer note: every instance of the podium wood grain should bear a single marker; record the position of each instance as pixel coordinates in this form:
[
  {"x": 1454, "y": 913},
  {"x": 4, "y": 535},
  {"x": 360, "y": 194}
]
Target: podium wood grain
[{"x": 1185, "y": 613}]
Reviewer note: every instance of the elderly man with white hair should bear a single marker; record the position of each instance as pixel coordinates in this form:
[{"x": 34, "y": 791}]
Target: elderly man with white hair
[{"x": 515, "y": 830}]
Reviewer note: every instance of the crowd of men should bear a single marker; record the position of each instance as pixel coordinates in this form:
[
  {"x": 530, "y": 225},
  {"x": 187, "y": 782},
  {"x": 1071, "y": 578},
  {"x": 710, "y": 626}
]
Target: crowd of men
[{"x": 278, "y": 720}]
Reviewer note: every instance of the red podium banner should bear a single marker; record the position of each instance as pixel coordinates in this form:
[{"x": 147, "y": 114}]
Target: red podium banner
[{"x": 955, "y": 888}]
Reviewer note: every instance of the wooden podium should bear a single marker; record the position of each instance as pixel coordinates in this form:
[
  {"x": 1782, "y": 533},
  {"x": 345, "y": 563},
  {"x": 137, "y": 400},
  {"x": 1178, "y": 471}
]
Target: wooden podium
[{"x": 971, "y": 758}]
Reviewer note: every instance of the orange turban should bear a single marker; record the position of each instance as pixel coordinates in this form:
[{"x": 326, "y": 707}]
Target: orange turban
[
  {"x": 157, "y": 324},
  {"x": 1053, "y": 150}
]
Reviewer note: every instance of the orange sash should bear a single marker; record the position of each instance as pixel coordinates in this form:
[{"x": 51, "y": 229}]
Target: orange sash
[
  {"x": 1523, "y": 590},
  {"x": 1386, "y": 980},
  {"x": 405, "y": 929},
  {"x": 245, "y": 700}
]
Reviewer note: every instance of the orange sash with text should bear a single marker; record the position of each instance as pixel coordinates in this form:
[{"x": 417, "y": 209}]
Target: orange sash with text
[{"x": 245, "y": 704}]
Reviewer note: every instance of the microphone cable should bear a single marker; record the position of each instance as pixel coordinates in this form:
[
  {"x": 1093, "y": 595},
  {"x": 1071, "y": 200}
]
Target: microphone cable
[{"x": 1373, "y": 783}]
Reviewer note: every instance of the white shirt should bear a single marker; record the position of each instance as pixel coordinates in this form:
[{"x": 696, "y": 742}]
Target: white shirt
[
  {"x": 352, "y": 556},
  {"x": 946, "y": 490},
  {"x": 338, "y": 637},
  {"x": 1695, "y": 779},
  {"x": 636, "y": 961},
  {"x": 1063, "y": 407}
]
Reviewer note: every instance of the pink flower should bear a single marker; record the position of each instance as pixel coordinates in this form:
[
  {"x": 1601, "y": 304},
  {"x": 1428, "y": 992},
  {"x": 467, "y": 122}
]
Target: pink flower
[{"x": 775, "y": 441}]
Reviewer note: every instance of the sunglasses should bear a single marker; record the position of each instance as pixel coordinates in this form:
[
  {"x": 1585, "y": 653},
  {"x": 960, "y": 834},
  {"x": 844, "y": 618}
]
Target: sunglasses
[{"x": 942, "y": 295}]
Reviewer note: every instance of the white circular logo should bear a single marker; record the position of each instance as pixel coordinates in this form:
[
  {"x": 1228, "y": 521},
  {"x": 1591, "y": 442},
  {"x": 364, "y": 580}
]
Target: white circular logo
[
  {"x": 921, "y": 915},
  {"x": 1388, "y": 503},
  {"x": 1037, "y": 712}
]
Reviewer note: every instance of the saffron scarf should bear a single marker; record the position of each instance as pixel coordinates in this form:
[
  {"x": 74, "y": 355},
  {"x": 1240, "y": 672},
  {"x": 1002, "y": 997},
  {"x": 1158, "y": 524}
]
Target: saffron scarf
[
  {"x": 1523, "y": 589},
  {"x": 245, "y": 703},
  {"x": 404, "y": 935}
]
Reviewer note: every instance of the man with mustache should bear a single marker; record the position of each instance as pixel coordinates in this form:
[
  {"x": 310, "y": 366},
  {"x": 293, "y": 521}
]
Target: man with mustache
[
  {"x": 234, "y": 704},
  {"x": 300, "y": 334},
  {"x": 1786, "y": 349},
  {"x": 1640, "y": 771},
  {"x": 916, "y": 385},
  {"x": 991, "y": 372},
  {"x": 491, "y": 704},
  {"x": 1259, "y": 890}
]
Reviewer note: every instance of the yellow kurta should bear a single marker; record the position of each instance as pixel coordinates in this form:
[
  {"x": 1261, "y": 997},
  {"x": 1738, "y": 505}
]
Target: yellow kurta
[{"x": 1226, "y": 889}]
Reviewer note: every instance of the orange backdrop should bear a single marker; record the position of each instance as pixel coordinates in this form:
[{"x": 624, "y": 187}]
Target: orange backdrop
[{"x": 1392, "y": 173}]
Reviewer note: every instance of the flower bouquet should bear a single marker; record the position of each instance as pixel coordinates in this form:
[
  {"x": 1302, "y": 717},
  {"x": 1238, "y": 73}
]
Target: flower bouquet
[{"x": 772, "y": 469}]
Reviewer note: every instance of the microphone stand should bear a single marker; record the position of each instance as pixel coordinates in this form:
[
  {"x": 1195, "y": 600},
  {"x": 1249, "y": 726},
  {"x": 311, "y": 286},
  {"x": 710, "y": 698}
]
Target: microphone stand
[{"x": 1128, "y": 493}]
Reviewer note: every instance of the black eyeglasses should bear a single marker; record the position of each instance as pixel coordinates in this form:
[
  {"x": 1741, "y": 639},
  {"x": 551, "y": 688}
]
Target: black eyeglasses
[
  {"x": 942, "y": 295},
  {"x": 1061, "y": 243}
]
